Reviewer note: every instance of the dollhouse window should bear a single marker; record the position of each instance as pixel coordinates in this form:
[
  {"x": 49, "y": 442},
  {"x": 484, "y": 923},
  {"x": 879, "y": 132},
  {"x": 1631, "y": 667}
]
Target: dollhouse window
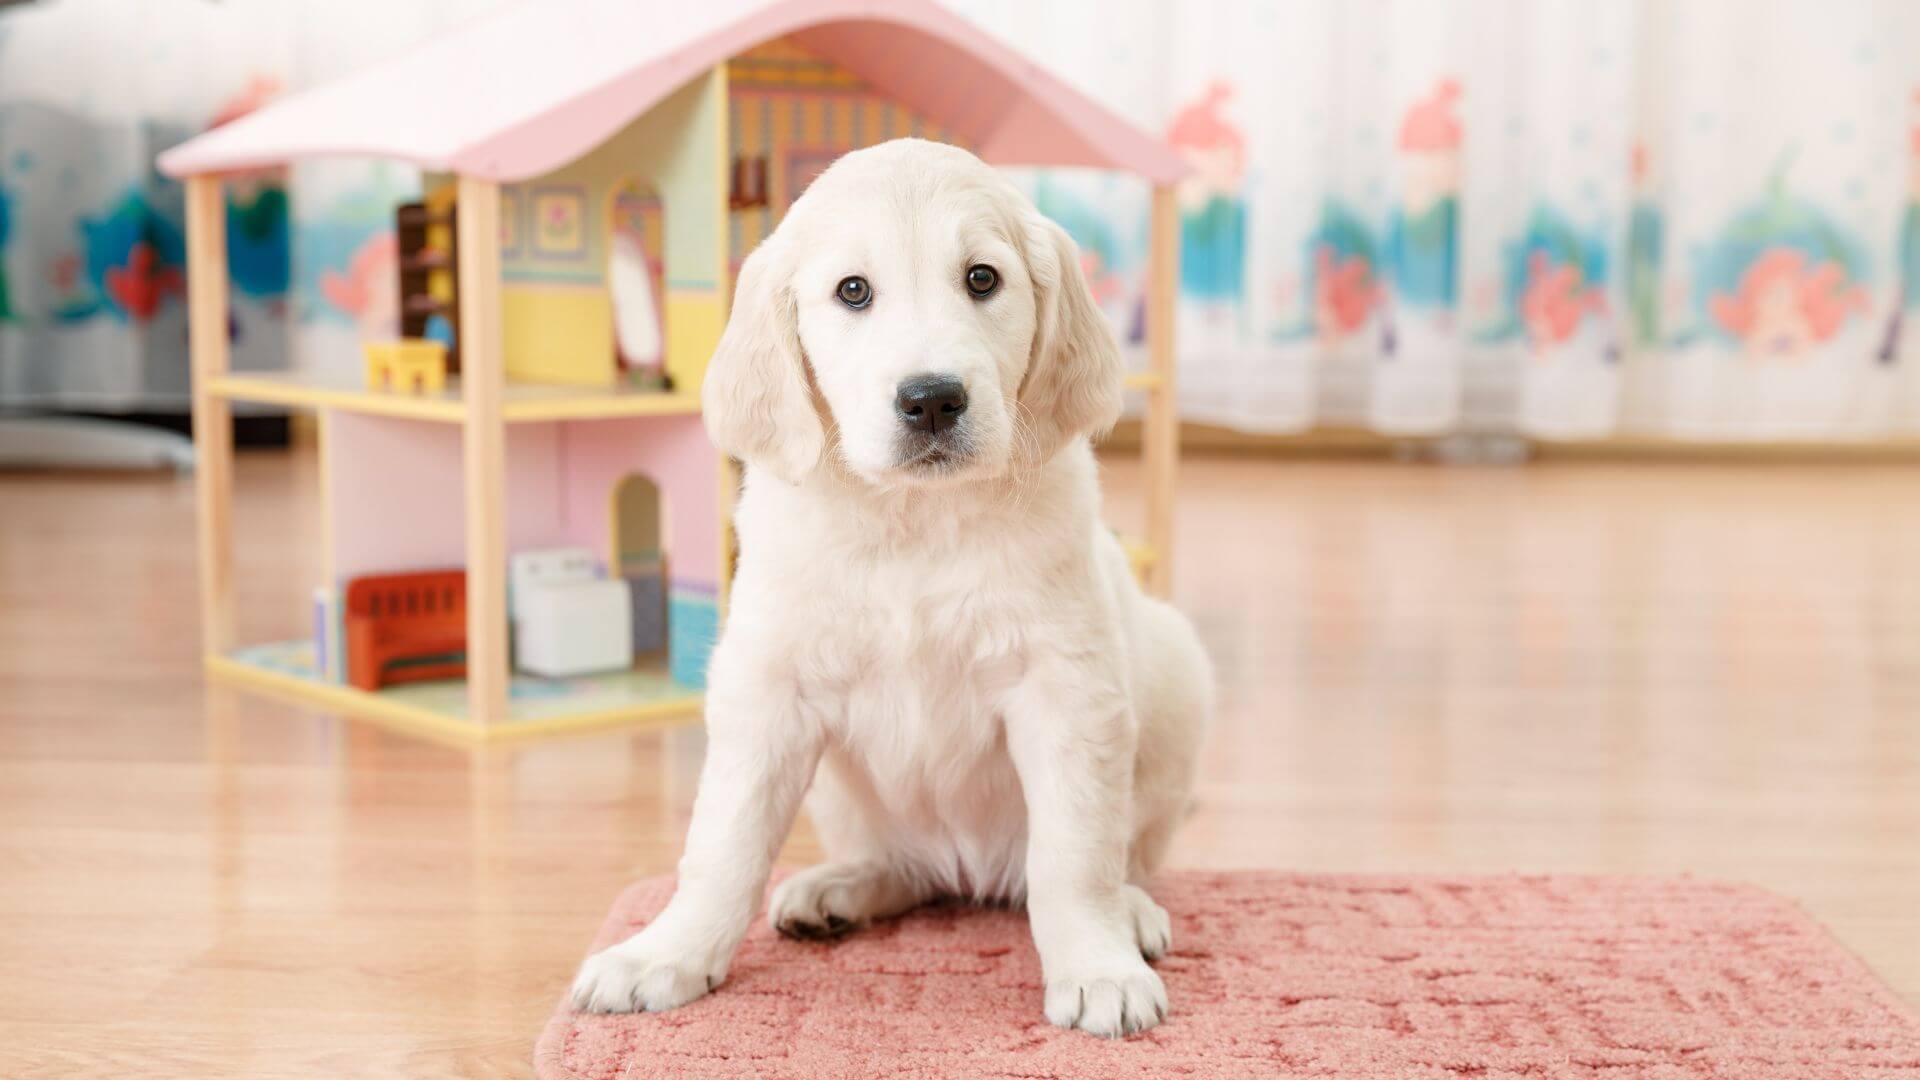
[{"x": 636, "y": 280}]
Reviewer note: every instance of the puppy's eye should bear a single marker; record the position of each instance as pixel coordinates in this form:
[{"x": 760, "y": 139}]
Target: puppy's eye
[
  {"x": 854, "y": 292},
  {"x": 982, "y": 280}
]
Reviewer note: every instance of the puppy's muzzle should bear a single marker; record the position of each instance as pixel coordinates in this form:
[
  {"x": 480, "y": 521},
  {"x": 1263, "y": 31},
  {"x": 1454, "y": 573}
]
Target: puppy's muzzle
[{"x": 930, "y": 404}]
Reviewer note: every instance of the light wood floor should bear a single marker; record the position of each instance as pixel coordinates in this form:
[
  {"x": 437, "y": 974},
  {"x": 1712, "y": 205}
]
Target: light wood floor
[{"x": 1640, "y": 668}]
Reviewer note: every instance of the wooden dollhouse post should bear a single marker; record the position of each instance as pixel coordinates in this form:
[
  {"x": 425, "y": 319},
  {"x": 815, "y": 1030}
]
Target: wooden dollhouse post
[
  {"x": 212, "y": 415},
  {"x": 728, "y": 474},
  {"x": 484, "y": 456},
  {"x": 1161, "y": 433}
]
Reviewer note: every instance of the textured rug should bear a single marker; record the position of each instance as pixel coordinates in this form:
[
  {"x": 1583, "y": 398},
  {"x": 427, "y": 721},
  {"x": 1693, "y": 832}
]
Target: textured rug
[{"x": 1282, "y": 975}]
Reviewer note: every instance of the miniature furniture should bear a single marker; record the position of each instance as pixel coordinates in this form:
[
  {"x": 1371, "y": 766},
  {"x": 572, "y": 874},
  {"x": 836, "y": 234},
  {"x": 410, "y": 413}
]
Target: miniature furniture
[
  {"x": 546, "y": 134},
  {"x": 568, "y": 619},
  {"x": 406, "y": 628},
  {"x": 429, "y": 270},
  {"x": 406, "y": 366},
  {"x": 569, "y": 628}
]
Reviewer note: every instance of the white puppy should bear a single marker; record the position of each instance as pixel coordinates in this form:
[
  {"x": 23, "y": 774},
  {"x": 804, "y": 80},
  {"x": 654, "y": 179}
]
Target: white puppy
[{"x": 928, "y": 613}]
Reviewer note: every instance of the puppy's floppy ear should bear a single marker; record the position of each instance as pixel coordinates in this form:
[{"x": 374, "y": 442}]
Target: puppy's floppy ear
[
  {"x": 757, "y": 400},
  {"x": 1073, "y": 382}
]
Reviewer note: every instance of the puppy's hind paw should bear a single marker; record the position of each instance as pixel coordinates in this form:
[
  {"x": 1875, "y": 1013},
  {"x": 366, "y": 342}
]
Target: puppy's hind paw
[{"x": 832, "y": 900}]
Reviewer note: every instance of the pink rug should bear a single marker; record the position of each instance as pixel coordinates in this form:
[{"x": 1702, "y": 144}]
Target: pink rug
[{"x": 1283, "y": 975}]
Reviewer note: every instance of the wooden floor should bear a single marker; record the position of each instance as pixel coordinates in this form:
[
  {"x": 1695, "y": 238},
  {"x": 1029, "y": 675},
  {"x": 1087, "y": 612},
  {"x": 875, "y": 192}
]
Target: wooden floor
[{"x": 1621, "y": 668}]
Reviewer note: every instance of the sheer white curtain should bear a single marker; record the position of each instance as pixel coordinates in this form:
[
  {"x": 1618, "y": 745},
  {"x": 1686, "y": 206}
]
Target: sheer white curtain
[
  {"x": 1564, "y": 218},
  {"x": 92, "y": 255}
]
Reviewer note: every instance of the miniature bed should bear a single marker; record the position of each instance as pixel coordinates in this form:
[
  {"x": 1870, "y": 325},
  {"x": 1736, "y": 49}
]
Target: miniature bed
[{"x": 595, "y": 172}]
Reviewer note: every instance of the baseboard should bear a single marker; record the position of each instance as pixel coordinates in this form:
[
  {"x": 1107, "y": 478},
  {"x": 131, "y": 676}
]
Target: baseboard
[{"x": 1216, "y": 441}]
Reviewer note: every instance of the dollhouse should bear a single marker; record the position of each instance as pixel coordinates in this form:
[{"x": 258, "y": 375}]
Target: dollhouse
[{"x": 525, "y": 527}]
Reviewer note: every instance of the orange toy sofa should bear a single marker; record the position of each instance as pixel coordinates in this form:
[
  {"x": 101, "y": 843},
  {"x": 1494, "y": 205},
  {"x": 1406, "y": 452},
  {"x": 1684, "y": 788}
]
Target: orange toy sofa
[{"x": 406, "y": 628}]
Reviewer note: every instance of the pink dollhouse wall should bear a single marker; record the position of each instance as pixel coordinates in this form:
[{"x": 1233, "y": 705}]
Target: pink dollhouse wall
[
  {"x": 674, "y": 453},
  {"x": 395, "y": 503},
  {"x": 394, "y": 493}
]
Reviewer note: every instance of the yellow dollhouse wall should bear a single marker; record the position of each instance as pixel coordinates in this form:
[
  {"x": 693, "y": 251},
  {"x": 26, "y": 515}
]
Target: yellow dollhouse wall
[
  {"x": 798, "y": 112},
  {"x": 557, "y": 313}
]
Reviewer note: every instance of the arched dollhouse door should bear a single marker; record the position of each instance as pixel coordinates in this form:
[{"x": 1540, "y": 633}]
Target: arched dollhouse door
[{"x": 639, "y": 556}]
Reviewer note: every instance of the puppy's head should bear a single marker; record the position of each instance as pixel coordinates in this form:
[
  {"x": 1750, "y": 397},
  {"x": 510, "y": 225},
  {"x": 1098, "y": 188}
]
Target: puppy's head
[{"x": 915, "y": 317}]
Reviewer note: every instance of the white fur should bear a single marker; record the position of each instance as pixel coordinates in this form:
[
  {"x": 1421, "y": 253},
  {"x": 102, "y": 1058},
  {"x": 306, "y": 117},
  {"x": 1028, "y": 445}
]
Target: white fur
[{"x": 956, "y": 656}]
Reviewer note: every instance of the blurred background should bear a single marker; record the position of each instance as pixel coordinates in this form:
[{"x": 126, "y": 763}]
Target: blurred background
[
  {"x": 1569, "y": 221},
  {"x": 1547, "y": 500}
]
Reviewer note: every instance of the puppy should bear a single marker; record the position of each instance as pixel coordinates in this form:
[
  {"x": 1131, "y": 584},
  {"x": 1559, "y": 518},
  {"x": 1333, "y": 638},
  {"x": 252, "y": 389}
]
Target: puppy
[{"x": 930, "y": 625}]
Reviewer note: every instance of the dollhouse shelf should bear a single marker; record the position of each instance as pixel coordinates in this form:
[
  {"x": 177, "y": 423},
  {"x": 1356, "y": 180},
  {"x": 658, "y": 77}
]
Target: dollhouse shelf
[
  {"x": 645, "y": 696},
  {"x": 522, "y": 402}
]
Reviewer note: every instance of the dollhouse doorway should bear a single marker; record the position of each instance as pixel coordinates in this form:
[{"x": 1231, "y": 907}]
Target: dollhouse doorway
[
  {"x": 636, "y": 278},
  {"x": 639, "y": 556}
]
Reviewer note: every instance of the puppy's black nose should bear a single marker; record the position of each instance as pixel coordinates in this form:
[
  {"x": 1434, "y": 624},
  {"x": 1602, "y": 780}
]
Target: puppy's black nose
[{"x": 930, "y": 403}]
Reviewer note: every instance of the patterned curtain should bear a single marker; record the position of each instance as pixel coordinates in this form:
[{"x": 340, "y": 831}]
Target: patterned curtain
[
  {"x": 1561, "y": 218},
  {"x": 92, "y": 248}
]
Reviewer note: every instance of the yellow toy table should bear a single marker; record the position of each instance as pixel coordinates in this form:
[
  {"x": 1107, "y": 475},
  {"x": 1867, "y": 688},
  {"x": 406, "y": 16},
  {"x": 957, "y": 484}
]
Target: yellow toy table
[{"x": 410, "y": 364}]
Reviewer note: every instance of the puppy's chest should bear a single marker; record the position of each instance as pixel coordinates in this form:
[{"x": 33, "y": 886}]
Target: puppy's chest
[
  {"x": 926, "y": 731},
  {"x": 934, "y": 624},
  {"x": 910, "y": 652},
  {"x": 936, "y": 674},
  {"x": 915, "y": 681}
]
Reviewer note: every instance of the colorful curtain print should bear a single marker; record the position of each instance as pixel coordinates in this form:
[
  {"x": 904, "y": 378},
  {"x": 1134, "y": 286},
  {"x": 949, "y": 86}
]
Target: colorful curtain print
[
  {"x": 1563, "y": 219},
  {"x": 92, "y": 238},
  {"x": 1556, "y": 218}
]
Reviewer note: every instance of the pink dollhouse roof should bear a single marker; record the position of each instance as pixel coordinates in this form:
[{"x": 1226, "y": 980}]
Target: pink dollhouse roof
[{"x": 519, "y": 93}]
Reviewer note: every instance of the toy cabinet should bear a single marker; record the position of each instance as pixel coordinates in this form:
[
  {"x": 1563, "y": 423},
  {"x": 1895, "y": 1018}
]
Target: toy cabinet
[{"x": 525, "y": 527}]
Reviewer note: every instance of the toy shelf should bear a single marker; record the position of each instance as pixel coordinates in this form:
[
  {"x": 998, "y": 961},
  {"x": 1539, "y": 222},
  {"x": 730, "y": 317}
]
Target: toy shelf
[
  {"x": 521, "y": 402},
  {"x": 644, "y": 695}
]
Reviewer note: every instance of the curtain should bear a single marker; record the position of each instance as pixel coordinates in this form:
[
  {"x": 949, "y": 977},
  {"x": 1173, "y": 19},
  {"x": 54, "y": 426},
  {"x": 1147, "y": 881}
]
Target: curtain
[
  {"x": 1559, "y": 218},
  {"x": 92, "y": 238}
]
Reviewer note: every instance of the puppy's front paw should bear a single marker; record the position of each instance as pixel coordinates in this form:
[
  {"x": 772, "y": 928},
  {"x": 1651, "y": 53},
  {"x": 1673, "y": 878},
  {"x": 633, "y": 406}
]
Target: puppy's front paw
[
  {"x": 1122, "y": 998},
  {"x": 648, "y": 972},
  {"x": 1152, "y": 928}
]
